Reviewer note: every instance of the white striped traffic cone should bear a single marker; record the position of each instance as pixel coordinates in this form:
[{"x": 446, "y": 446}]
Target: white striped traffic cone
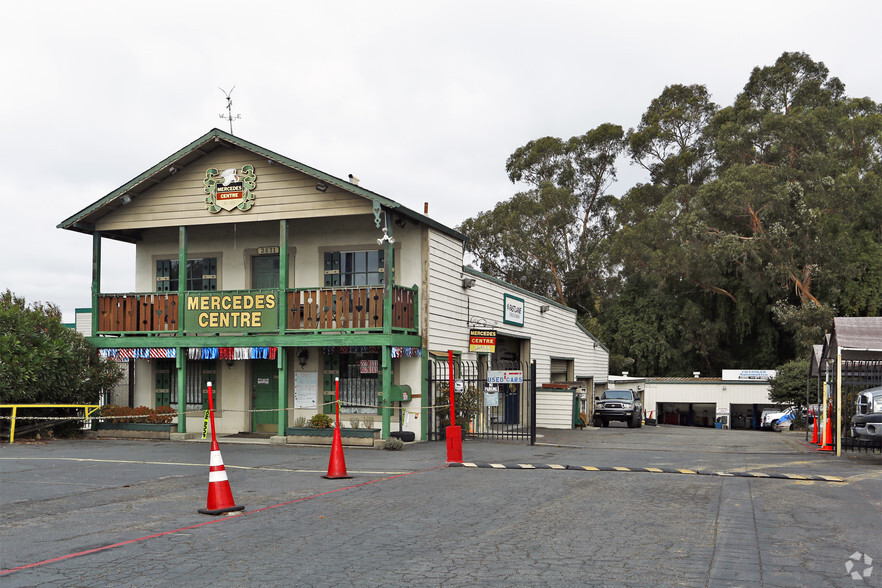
[{"x": 220, "y": 497}]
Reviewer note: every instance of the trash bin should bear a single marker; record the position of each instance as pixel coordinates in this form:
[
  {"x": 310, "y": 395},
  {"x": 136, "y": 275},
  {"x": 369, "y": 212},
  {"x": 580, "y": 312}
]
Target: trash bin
[{"x": 580, "y": 418}]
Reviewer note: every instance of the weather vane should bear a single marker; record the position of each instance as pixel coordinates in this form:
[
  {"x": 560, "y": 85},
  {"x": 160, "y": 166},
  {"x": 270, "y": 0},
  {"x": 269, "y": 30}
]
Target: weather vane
[{"x": 229, "y": 115}]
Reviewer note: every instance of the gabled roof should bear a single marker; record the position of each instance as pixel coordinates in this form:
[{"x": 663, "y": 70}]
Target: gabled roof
[
  {"x": 84, "y": 220},
  {"x": 859, "y": 338},
  {"x": 817, "y": 366}
]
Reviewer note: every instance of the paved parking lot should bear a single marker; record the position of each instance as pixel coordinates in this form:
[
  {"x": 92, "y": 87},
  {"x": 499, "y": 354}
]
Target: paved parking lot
[{"x": 120, "y": 513}]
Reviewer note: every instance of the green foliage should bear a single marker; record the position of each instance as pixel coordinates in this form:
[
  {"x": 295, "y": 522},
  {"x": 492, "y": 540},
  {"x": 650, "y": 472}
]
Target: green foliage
[
  {"x": 789, "y": 384},
  {"x": 466, "y": 405},
  {"x": 619, "y": 364},
  {"x": 760, "y": 222},
  {"x": 42, "y": 361},
  {"x": 321, "y": 421},
  {"x": 670, "y": 142},
  {"x": 545, "y": 239}
]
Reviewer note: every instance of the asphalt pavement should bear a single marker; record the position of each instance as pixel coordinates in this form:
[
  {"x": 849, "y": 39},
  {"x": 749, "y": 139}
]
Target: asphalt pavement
[{"x": 656, "y": 506}]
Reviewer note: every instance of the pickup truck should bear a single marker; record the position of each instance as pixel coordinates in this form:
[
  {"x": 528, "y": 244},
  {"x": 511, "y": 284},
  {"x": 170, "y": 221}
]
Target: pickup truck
[
  {"x": 778, "y": 420},
  {"x": 618, "y": 405},
  {"x": 866, "y": 424}
]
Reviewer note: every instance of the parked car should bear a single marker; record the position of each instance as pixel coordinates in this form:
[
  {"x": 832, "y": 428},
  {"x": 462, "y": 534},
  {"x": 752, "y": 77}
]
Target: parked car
[
  {"x": 778, "y": 420},
  {"x": 618, "y": 405},
  {"x": 866, "y": 424}
]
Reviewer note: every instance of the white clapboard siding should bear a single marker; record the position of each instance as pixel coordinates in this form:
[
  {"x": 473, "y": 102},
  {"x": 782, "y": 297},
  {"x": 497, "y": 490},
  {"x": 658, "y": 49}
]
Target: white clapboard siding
[
  {"x": 554, "y": 333},
  {"x": 83, "y": 321},
  {"x": 554, "y": 409},
  {"x": 447, "y": 320},
  {"x": 280, "y": 193}
]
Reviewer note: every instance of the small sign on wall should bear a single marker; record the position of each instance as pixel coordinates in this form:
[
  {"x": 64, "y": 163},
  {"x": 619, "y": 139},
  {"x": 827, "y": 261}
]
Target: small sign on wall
[
  {"x": 491, "y": 396},
  {"x": 505, "y": 377},
  {"x": 513, "y": 310},
  {"x": 482, "y": 340},
  {"x": 305, "y": 389}
]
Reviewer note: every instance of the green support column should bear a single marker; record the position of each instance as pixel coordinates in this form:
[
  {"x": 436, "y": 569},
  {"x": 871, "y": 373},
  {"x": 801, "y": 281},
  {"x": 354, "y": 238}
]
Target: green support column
[
  {"x": 182, "y": 276},
  {"x": 387, "y": 389},
  {"x": 283, "y": 276},
  {"x": 388, "y": 282},
  {"x": 282, "y": 359},
  {"x": 181, "y": 360},
  {"x": 96, "y": 278},
  {"x": 282, "y": 356},
  {"x": 181, "y": 372},
  {"x": 424, "y": 391}
]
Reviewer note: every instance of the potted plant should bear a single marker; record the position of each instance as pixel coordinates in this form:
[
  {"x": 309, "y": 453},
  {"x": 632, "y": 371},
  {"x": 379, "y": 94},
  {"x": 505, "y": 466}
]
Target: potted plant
[
  {"x": 466, "y": 407},
  {"x": 141, "y": 421},
  {"x": 319, "y": 430}
]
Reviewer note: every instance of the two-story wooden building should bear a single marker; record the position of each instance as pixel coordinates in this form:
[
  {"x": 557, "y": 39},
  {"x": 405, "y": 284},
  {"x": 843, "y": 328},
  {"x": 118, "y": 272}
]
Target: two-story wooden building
[{"x": 270, "y": 279}]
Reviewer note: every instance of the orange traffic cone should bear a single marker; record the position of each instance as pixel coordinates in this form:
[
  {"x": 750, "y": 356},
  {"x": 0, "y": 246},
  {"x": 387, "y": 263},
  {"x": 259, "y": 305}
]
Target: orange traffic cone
[
  {"x": 828, "y": 434},
  {"x": 220, "y": 497},
  {"x": 815, "y": 426},
  {"x": 337, "y": 463}
]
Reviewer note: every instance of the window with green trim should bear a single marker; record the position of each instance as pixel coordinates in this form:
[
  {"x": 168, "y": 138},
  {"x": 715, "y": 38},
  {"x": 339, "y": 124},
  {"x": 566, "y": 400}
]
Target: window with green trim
[
  {"x": 354, "y": 268},
  {"x": 199, "y": 373},
  {"x": 201, "y": 274}
]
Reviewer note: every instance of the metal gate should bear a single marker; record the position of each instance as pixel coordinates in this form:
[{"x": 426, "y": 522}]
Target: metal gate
[
  {"x": 857, "y": 376},
  {"x": 509, "y": 412}
]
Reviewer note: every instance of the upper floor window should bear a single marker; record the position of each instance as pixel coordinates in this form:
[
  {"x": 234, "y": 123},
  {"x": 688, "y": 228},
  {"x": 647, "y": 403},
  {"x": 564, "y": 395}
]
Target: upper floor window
[
  {"x": 265, "y": 271},
  {"x": 354, "y": 268},
  {"x": 201, "y": 274}
]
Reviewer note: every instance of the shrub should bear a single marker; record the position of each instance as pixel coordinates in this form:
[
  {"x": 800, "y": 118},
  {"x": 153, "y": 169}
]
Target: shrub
[
  {"x": 353, "y": 422},
  {"x": 45, "y": 362},
  {"x": 393, "y": 444},
  {"x": 467, "y": 405},
  {"x": 140, "y": 414},
  {"x": 163, "y": 414},
  {"x": 300, "y": 422},
  {"x": 117, "y": 414},
  {"x": 320, "y": 421}
]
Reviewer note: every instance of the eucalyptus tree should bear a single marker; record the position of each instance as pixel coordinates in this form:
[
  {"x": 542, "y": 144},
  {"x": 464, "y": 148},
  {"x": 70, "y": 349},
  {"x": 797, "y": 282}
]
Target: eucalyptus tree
[
  {"x": 545, "y": 238},
  {"x": 794, "y": 215},
  {"x": 659, "y": 292}
]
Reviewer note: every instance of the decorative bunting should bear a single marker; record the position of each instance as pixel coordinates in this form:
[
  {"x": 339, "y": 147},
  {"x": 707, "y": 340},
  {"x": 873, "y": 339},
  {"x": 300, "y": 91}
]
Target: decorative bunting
[
  {"x": 407, "y": 352},
  {"x": 142, "y": 353}
]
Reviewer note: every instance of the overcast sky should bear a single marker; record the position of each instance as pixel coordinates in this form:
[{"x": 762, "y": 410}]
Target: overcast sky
[{"x": 422, "y": 100}]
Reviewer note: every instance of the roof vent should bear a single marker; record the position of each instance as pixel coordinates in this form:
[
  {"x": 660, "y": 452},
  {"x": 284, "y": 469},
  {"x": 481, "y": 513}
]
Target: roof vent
[
  {"x": 696, "y": 374},
  {"x": 624, "y": 374},
  {"x": 353, "y": 179}
]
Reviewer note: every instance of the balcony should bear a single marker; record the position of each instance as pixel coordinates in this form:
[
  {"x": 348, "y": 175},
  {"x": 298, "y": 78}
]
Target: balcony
[{"x": 309, "y": 310}]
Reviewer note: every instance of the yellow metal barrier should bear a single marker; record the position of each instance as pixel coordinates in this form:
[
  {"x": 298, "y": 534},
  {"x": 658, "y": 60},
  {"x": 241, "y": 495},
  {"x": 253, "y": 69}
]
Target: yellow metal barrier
[{"x": 89, "y": 408}]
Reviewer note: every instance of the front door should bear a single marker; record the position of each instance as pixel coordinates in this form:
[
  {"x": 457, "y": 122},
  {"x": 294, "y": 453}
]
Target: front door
[
  {"x": 265, "y": 396},
  {"x": 265, "y": 272}
]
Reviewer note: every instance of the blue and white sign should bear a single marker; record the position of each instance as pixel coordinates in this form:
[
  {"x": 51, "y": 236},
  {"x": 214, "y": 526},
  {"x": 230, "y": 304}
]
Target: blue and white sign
[
  {"x": 505, "y": 377},
  {"x": 749, "y": 375}
]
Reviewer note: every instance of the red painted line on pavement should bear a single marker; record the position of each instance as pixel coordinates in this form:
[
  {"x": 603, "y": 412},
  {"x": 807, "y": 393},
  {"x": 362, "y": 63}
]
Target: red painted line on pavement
[{"x": 196, "y": 526}]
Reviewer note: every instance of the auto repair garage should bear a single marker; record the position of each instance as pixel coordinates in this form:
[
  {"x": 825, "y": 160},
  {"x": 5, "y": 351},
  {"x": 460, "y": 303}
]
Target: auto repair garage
[{"x": 742, "y": 395}]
